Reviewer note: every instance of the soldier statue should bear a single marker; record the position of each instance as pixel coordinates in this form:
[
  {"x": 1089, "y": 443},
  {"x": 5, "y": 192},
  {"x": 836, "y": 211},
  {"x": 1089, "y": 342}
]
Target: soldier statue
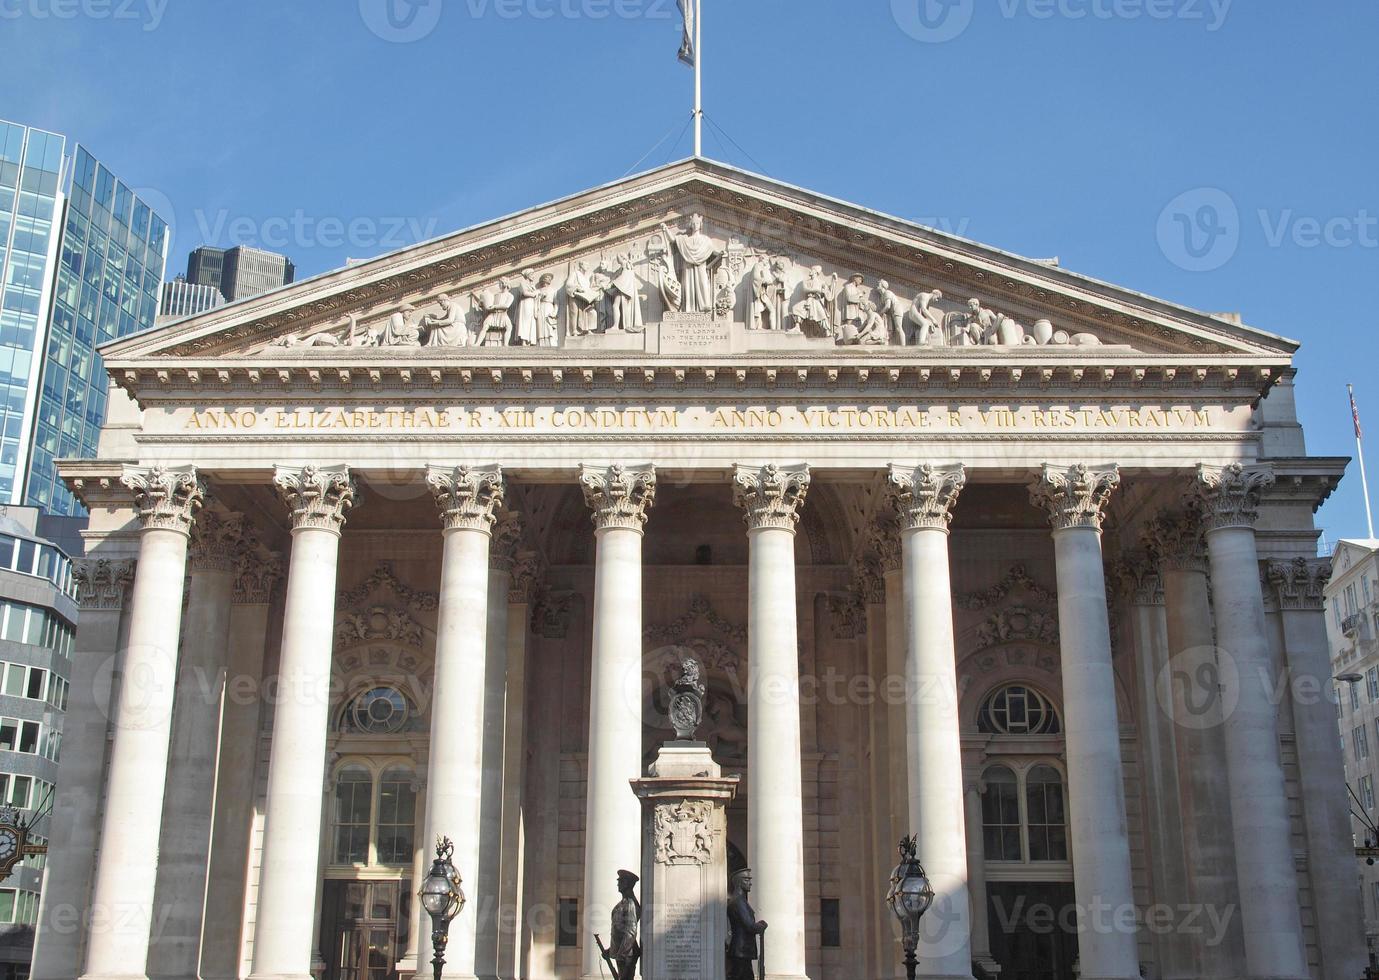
[
  {"x": 625, "y": 950},
  {"x": 743, "y": 929}
]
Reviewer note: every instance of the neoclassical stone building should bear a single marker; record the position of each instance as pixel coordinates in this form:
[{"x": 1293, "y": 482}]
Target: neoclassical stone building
[{"x": 967, "y": 545}]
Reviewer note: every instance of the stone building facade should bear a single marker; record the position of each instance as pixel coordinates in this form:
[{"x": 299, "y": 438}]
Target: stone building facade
[{"x": 968, "y": 546}]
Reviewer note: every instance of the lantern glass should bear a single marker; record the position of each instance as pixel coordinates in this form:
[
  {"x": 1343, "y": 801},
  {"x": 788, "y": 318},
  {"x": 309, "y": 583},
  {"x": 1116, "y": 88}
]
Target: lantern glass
[{"x": 436, "y": 896}]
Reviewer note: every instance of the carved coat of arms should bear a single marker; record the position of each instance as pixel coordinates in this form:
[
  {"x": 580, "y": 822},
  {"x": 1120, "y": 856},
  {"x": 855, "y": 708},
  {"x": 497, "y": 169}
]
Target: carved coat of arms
[{"x": 683, "y": 834}]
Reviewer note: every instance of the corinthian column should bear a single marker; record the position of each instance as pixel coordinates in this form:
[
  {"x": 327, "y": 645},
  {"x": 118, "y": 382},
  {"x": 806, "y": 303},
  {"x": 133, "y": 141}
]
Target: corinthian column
[
  {"x": 127, "y": 871},
  {"x": 1190, "y": 691},
  {"x": 925, "y": 499},
  {"x": 1075, "y": 500},
  {"x": 257, "y": 573},
  {"x": 468, "y": 498},
  {"x": 182, "y": 865},
  {"x": 1321, "y": 763},
  {"x": 102, "y": 584},
  {"x": 319, "y": 499},
  {"x": 1259, "y": 803},
  {"x": 772, "y": 496},
  {"x": 619, "y": 498}
]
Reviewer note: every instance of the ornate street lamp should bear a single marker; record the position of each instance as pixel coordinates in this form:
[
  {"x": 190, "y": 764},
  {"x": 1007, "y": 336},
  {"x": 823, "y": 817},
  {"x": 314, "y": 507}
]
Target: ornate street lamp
[
  {"x": 442, "y": 898},
  {"x": 909, "y": 897}
]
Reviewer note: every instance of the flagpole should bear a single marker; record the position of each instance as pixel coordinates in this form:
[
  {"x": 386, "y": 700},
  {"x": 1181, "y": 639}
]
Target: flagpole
[
  {"x": 1360, "y": 452},
  {"x": 699, "y": 78}
]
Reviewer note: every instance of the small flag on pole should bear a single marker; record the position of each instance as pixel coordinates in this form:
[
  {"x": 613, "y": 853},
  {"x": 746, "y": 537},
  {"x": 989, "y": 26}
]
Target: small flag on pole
[
  {"x": 1355, "y": 412},
  {"x": 690, "y": 8}
]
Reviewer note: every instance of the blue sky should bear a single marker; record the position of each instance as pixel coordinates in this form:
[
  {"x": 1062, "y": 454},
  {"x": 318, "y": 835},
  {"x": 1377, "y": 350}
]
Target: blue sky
[{"x": 1217, "y": 153}]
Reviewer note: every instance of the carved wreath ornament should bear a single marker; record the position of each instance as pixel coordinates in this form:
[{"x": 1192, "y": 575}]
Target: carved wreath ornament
[{"x": 683, "y": 834}]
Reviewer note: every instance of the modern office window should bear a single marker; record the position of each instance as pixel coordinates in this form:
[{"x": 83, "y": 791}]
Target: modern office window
[{"x": 1367, "y": 792}]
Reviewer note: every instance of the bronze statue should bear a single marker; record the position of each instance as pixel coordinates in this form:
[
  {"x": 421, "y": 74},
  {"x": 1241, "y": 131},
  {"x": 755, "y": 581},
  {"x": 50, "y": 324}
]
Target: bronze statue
[
  {"x": 743, "y": 929},
  {"x": 627, "y": 914}
]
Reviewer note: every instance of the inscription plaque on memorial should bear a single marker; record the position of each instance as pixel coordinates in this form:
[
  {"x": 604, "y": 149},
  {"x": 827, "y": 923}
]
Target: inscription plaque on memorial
[{"x": 695, "y": 333}]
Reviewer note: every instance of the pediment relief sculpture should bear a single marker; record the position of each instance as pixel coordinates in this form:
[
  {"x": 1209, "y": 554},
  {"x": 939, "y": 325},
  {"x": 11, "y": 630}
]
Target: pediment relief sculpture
[{"x": 689, "y": 271}]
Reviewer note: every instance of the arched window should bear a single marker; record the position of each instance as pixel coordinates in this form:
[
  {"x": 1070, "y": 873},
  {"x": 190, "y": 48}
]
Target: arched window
[
  {"x": 1017, "y": 710},
  {"x": 1048, "y": 825},
  {"x": 378, "y": 711},
  {"x": 1024, "y": 818},
  {"x": 1001, "y": 815},
  {"x": 375, "y": 816}
]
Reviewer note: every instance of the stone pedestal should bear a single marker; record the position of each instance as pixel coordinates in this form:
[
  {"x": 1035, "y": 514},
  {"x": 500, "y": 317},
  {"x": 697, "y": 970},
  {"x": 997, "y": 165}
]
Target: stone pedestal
[{"x": 684, "y": 887}]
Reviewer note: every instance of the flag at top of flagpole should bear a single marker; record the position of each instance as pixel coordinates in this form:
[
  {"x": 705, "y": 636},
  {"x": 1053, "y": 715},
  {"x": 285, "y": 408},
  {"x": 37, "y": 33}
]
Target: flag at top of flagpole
[
  {"x": 1355, "y": 412},
  {"x": 688, "y": 54}
]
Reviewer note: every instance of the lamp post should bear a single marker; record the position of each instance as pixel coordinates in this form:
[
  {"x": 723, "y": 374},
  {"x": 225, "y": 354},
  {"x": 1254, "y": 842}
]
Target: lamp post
[
  {"x": 442, "y": 898},
  {"x": 909, "y": 897}
]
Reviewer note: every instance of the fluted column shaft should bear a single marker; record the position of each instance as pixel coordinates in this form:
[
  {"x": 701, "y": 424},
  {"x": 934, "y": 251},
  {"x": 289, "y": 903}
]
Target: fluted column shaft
[
  {"x": 619, "y": 498},
  {"x": 102, "y": 585},
  {"x": 289, "y": 873},
  {"x": 925, "y": 498},
  {"x": 185, "y": 846},
  {"x": 1259, "y": 803},
  {"x": 771, "y": 497},
  {"x": 256, "y": 576},
  {"x": 510, "y": 952},
  {"x": 468, "y": 498},
  {"x": 1321, "y": 765},
  {"x": 489, "y": 870},
  {"x": 1191, "y": 691},
  {"x": 1075, "y": 500},
  {"x": 976, "y": 874},
  {"x": 122, "y": 900}
]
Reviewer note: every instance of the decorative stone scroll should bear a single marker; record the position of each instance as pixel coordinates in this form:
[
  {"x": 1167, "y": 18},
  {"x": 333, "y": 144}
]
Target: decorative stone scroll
[
  {"x": 771, "y": 496},
  {"x": 217, "y": 540},
  {"x": 318, "y": 497},
  {"x": 1176, "y": 541},
  {"x": 167, "y": 499},
  {"x": 1139, "y": 578},
  {"x": 1230, "y": 494},
  {"x": 619, "y": 496},
  {"x": 528, "y": 572},
  {"x": 849, "y": 615},
  {"x": 102, "y": 583},
  {"x": 468, "y": 496},
  {"x": 1075, "y": 497},
  {"x": 925, "y": 496},
  {"x": 1018, "y": 577},
  {"x": 384, "y": 577},
  {"x": 884, "y": 538},
  {"x": 1299, "y": 583},
  {"x": 507, "y": 535}
]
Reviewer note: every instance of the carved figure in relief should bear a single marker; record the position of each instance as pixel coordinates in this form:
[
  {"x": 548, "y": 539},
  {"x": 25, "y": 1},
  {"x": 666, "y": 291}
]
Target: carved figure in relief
[
  {"x": 814, "y": 314},
  {"x": 527, "y": 290},
  {"x": 446, "y": 328},
  {"x": 851, "y": 300},
  {"x": 293, "y": 340},
  {"x": 892, "y": 311},
  {"x": 869, "y": 330},
  {"x": 980, "y": 325},
  {"x": 746, "y": 933},
  {"x": 697, "y": 260},
  {"x": 624, "y": 298},
  {"x": 624, "y": 948},
  {"x": 927, "y": 320},
  {"x": 547, "y": 312},
  {"x": 584, "y": 296},
  {"x": 768, "y": 295},
  {"x": 401, "y": 329},
  {"x": 672, "y": 294},
  {"x": 496, "y": 305}
]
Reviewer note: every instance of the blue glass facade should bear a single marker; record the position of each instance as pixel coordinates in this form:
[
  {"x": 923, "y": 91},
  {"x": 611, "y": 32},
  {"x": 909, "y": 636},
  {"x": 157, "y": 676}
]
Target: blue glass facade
[
  {"x": 30, "y": 178},
  {"x": 109, "y": 273},
  {"x": 72, "y": 276}
]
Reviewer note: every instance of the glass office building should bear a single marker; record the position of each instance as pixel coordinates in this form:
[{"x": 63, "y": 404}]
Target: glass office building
[
  {"x": 79, "y": 269},
  {"x": 240, "y": 273}
]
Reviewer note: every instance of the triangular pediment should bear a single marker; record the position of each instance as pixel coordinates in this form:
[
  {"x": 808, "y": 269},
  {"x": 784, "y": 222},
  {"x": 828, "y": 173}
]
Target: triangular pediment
[{"x": 771, "y": 268}]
